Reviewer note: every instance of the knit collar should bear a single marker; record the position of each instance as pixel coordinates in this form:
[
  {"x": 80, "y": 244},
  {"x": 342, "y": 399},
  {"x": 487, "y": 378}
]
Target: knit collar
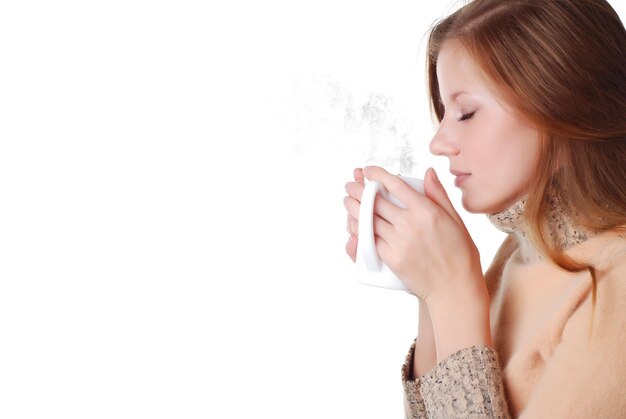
[{"x": 511, "y": 220}]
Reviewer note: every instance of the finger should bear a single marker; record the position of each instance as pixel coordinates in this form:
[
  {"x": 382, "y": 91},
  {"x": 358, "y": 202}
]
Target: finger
[
  {"x": 351, "y": 247},
  {"x": 355, "y": 190},
  {"x": 383, "y": 229},
  {"x": 352, "y": 226},
  {"x": 383, "y": 249},
  {"x": 358, "y": 174},
  {"x": 395, "y": 185},
  {"x": 385, "y": 209},
  {"x": 352, "y": 206},
  {"x": 382, "y": 209},
  {"x": 437, "y": 193}
]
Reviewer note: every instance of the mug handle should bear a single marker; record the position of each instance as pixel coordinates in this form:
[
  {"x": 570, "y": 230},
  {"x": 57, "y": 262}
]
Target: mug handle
[{"x": 367, "y": 244}]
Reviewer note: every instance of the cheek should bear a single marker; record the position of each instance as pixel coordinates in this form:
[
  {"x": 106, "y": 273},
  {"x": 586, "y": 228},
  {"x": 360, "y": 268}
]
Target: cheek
[
  {"x": 524, "y": 154},
  {"x": 497, "y": 163},
  {"x": 503, "y": 146},
  {"x": 487, "y": 151}
]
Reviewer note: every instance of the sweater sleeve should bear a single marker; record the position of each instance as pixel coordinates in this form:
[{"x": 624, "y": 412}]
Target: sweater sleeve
[
  {"x": 413, "y": 402},
  {"x": 466, "y": 384}
]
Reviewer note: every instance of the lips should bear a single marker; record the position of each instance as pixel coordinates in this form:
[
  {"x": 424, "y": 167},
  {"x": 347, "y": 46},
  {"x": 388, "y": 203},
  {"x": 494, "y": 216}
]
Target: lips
[
  {"x": 460, "y": 176},
  {"x": 457, "y": 173}
]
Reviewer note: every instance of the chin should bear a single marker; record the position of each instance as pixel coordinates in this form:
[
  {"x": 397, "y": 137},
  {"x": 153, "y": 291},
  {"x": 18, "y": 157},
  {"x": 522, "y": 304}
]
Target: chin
[
  {"x": 478, "y": 207},
  {"x": 470, "y": 206}
]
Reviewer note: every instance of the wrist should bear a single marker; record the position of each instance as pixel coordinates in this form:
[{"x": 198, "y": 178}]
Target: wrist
[
  {"x": 425, "y": 327},
  {"x": 460, "y": 321}
]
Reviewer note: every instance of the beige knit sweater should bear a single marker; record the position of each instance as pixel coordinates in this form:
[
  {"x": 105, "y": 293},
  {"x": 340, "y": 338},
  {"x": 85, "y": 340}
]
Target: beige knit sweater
[{"x": 544, "y": 364}]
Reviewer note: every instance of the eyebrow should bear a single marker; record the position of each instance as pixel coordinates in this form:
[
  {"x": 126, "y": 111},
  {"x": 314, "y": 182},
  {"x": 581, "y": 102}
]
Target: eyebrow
[{"x": 453, "y": 96}]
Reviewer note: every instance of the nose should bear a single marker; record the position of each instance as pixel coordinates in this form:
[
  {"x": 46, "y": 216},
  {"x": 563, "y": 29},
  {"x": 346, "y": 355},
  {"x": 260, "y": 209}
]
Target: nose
[{"x": 443, "y": 145}]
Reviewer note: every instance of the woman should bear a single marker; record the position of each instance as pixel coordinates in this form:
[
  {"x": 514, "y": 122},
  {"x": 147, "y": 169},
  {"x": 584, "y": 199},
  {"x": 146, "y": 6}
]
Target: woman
[{"x": 530, "y": 99}]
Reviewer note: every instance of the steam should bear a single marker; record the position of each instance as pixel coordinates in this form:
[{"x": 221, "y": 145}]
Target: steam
[{"x": 326, "y": 115}]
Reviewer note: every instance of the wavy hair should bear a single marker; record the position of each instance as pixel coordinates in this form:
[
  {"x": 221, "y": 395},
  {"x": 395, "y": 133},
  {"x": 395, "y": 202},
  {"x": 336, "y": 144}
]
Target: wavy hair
[{"x": 561, "y": 64}]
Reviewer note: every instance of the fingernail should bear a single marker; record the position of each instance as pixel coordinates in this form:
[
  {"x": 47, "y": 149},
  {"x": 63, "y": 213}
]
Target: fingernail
[{"x": 435, "y": 178}]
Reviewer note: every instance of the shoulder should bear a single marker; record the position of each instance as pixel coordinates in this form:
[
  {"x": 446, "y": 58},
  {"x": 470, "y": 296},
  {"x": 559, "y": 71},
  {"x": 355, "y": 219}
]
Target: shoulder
[
  {"x": 613, "y": 255},
  {"x": 606, "y": 315},
  {"x": 607, "y": 254},
  {"x": 611, "y": 272}
]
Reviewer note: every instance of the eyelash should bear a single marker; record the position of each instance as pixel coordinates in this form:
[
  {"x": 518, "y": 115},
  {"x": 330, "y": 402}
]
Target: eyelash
[{"x": 466, "y": 117}]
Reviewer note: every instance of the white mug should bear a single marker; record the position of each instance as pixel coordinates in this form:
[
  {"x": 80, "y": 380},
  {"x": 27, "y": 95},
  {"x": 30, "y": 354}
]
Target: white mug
[{"x": 371, "y": 270}]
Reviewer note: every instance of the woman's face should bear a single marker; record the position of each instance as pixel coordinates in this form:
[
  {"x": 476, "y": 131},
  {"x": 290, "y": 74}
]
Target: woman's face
[{"x": 490, "y": 142}]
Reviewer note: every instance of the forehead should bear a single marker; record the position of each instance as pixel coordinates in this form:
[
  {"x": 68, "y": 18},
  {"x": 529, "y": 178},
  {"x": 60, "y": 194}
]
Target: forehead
[{"x": 456, "y": 69}]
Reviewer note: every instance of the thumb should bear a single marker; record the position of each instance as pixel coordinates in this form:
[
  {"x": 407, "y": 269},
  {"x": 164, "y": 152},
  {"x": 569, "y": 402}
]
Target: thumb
[{"x": 436, "y": 192}]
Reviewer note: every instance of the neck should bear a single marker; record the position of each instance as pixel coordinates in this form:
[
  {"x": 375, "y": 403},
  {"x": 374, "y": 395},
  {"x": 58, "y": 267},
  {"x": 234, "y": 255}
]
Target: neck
[{"x": 511, "y": 220}]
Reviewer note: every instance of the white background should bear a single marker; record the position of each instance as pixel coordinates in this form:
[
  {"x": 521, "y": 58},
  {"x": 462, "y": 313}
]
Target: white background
[{"x": 172, "y": 229}]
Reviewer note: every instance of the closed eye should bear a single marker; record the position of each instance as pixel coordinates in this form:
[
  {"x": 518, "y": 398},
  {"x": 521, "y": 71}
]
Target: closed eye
[{"x": 466, "y": 116}]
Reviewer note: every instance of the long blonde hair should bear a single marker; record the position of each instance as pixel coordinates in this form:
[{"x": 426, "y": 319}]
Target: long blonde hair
[{"x": 561, "y": 65}]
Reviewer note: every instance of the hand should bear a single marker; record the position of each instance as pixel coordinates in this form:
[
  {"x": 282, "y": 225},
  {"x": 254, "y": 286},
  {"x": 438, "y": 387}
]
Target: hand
[
  {"x": 352, "y": 202},
  {"x": 427, "y": 244}
]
